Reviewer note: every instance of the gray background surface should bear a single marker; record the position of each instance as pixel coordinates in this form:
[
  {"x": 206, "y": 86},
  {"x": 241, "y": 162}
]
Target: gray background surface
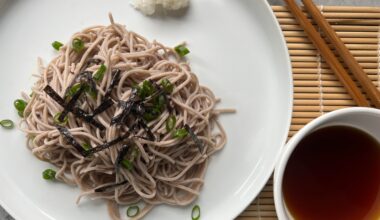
[{"x": 5, "y": 216}]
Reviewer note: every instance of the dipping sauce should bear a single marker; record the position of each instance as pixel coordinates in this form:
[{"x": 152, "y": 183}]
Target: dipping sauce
[{"x": 334, "y": 174}]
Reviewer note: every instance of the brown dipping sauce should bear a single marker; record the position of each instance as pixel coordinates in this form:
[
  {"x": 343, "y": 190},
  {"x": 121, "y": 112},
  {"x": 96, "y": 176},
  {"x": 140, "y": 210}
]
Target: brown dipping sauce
[{"x": 334, "y": 174}]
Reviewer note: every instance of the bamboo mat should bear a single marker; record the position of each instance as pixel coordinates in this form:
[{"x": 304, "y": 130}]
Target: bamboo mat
[{"x": 316, "y": 89}]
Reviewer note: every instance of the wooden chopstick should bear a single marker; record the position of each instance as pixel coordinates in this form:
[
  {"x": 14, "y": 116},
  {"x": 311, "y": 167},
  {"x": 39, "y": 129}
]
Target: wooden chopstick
[
  {"x": 344, "y": 53},
  {"x": 328, "y": 55}
]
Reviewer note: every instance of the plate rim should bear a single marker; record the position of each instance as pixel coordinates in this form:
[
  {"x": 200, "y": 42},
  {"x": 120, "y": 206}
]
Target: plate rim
[
  {"x": 239, "y": 208},
  {"x": 289, "y": 113}
]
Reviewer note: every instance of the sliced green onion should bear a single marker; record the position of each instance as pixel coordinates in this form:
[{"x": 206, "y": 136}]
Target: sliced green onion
[
  {"x": 196, "y": 213},
  {"x": 48, "y": 174},
  {"x": 86, "y": 146},
  {"x": 6, "y": 123},
  {"x": 98, "y": 75},
  {"x": 20, "y": 105},
  {"x": 78, "y": 45},
  {"x": 147, "y": 88},
  {"x": 127, "y": 164},
  {"x": 57, "y": 45},
  {"x": 161, "y": 101},
  {"x": 181, "y": 50},
  {"x": 57, "y": 121},
  {"x": 93, "y": 93},
  {"x": 20, "y": 113},
  {"x": 180, "y": 133},
  {"x": 167, "y": 85},
  {"x": 152, "y": 114},
  {"x": 170, "y": 123},
  {"x": 74, "y": 89},
  {"x": 132, "y": 211}
]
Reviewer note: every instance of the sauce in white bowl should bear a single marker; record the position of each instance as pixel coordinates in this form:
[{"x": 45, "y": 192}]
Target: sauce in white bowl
[{"x": 331, "y": 168}]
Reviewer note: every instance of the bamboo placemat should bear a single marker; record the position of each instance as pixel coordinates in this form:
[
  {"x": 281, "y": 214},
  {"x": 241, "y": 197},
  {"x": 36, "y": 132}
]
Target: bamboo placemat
[{"x": 316, "y": 89}]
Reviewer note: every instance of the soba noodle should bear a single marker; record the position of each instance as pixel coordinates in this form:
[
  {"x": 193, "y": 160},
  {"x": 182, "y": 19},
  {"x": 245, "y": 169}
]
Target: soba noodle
[{"x": 166, "y": 169}]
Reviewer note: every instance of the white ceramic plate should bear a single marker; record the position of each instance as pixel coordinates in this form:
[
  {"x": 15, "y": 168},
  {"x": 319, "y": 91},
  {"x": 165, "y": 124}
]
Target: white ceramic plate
[{"x": 236, "y": 49}]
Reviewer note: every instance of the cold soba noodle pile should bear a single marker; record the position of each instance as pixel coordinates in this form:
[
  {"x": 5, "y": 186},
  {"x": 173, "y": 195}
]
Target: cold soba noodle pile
[{"x": 124, "y": 119}]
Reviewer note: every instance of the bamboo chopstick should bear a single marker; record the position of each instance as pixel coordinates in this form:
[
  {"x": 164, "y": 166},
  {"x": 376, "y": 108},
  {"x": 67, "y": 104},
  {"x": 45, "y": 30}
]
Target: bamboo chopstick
[
  {"x": 313, "y": 52},
  {"x": 336, "y": 21},
  {"x": 348, "y": 58},
  {"x": 294, "y": 27},
  {"x": 333, "y": 14},
  {"x": 349, "y": 46},
  {"x": 326, "y": 71},
  {"x": 345, "y": 40},
  {"x": 334, "y": 63},
  {"x": 327, "y": 77},
  {"x": 315, "y": 59},
  {"x": 352, "y": 34},
  {"x": 322, "y": 64},
  {"x": 328, "y": 8}
]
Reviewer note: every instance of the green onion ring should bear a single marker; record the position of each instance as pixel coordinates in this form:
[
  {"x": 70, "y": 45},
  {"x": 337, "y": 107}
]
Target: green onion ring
[
  {"x": 132, "y": 211},
  {"x": 196, "y": 213}
]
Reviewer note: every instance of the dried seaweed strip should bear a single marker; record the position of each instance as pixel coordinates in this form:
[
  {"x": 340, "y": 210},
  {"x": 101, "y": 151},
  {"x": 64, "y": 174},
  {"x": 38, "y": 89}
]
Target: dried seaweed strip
[
  {"x": 88, "y": 118},
  {"x": 50, "y": 91},
  {"x": 194, "y": 137},
  {"x": 114, "y": 81},
  {"x": 107, "y": 144},
  {"x": 71, "y": 104},
  {"x": 70, "y": 139},
  {"x": 148, "y": 131},
  {"x": 102, "y": 107},
  {"x": 76, "y": 111},
  {"x": 124, "y": 150}
]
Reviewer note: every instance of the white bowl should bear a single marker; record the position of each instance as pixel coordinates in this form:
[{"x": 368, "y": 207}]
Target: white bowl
[{"x": 366, "y": 119}]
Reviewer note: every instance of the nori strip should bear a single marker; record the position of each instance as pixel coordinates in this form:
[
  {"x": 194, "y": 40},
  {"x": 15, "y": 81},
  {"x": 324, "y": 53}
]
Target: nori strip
[
  {"x": 88, "y": 118},
  {"x": 194, "y": 137},
  {"x": 76, "y": 111},
  {"x": 114, "y": 81},
  {"x": 135, "y": 127},
  {"x": 106, "y": 145},
  {"x": 149, "y": 132},
  {"x": 138, "y": 108},
  {"x": 50, "y": 91},
  {"x": 120, "y": 156},
  {"x": 102, "y": 107},
  {"x": 126, "y": 106},
  {"x": 90, "y": 82},
  {"x": 82, "y": 78},
  {"x": 70, "y": 138},
  {"x": 104, "y": 188},
  {"x": 120, "y": 118},
  {"x": 71, "y": 104}
]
